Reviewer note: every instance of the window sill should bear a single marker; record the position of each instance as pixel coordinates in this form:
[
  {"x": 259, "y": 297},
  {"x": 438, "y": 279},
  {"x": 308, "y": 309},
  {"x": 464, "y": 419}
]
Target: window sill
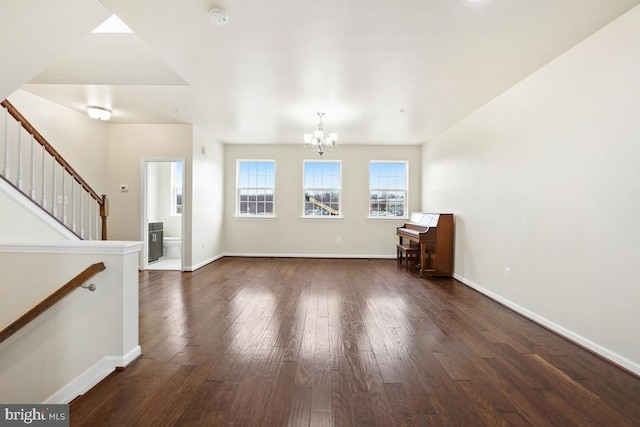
[
  {"x": 258, "y": 217},
  {"x": 322, "y": 217},
  {"x": 387, "y": 218}
]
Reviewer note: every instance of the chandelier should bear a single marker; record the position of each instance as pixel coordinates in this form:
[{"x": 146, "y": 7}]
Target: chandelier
[{"x": 318, "y": 141}]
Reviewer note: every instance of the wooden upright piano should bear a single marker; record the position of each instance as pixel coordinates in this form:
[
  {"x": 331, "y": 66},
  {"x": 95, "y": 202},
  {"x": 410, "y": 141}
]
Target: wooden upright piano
[{"x": 434, "y": 234}]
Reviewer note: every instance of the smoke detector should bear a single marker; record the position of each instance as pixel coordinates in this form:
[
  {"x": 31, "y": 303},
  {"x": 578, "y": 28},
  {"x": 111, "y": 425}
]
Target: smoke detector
[{"x": 218, "y": 16}]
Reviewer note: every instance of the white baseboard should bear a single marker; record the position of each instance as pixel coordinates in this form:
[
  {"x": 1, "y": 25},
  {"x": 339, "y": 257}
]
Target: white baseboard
[
  {"x": 566, "y": 333},
  {"x": 280, "y": 255},
  {"x": 203, "y": 263},
  {"x": 131, "y": 356},
  {"x": 92, "y": 376},
  {"x": 271, "y": 255}
]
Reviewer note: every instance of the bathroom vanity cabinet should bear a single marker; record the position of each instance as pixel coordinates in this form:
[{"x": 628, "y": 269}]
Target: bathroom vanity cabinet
[{"x": 155, "y": 240}]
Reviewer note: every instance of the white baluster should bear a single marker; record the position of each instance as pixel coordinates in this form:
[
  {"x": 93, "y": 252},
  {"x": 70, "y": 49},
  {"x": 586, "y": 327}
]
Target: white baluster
[
  {"x": 81, "y": 213},
  {"x": 43, "y": 202},
  {"x": 90, "y": 220},
  {"x": 73, "y": 205},
  {"x": 32, "y": 167},
  {"x": 5, "y": 169},
  {"x": 64, "y": 195},
  {"x": 96, "y": 218},
  {"x": 54, "y": 190},
  {"x": 19, "y": 178}
]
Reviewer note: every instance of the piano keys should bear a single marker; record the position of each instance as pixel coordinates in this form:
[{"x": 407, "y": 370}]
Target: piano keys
[{"x": 434, "y": 234}]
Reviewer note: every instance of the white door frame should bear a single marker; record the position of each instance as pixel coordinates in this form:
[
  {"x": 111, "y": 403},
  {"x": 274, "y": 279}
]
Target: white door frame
[{"x": 144, "y": 227}]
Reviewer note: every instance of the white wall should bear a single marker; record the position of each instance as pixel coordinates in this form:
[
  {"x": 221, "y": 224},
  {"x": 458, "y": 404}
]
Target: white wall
[
  {"x": 159, "y": 197},
  {"x": 128, "y": 145},
  {"x": 545, "y": 180},
  {"x": 288, "y": 234},
  {"x": 153, "y": 186},
  {"x": 205, "y": 204},
  {"x": 38, "y": 34},
  {"x": 20, "y": 218}
]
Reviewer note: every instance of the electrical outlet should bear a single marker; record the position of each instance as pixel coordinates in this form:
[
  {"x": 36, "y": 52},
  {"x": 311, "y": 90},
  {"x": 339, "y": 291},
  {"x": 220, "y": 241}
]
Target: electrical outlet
[
  {"x": 507, "y": 272},
  {"x": 339, "y": 240}
]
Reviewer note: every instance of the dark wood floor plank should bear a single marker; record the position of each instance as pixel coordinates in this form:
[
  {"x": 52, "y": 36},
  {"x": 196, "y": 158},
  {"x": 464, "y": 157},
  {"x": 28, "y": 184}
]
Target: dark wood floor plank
[
  {"x": 321, "y": 389},
  {"x": 283, "y": 401},
  {"x": 199, "y": 411},
  {"x": 338, "y": 342},
  {"x": 528, "y": 400},
  {"x": 376, "y": 392},
  {"x": 484, "y": 406},
  {"x": 300, "y": 410}
]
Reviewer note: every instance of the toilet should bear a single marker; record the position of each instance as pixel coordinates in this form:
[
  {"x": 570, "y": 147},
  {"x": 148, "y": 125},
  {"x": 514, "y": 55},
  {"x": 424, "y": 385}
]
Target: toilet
[{"x": 172, "y": 246}]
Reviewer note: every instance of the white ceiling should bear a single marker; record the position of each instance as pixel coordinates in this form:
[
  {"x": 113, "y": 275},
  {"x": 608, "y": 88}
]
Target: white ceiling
[{"x": 384, "y": 72}]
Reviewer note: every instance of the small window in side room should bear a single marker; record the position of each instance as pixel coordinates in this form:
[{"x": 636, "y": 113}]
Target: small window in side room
[
  {"x": 255, "y": 188},
  {"x": 176, "y": 188},
  {"x": 322, "y": 188},
  {"x": 387, "y": 189}
]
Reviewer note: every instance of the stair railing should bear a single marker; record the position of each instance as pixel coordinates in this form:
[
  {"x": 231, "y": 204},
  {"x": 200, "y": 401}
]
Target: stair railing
[
  {"x": 37, "y": 170},
  {"x": 52, "y": 299}
]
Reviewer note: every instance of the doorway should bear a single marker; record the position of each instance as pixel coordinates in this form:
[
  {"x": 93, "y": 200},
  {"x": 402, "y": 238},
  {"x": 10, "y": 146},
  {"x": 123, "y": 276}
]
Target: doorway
[{"x": 162, "y": 224}]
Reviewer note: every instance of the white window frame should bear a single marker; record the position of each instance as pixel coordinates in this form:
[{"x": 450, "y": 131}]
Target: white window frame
[
  {"x": 305, "y": 189},
  {"x": 257, "y": 188},
  {"x": 389, "y": 189},
  {"x": 174, "y": 189}
]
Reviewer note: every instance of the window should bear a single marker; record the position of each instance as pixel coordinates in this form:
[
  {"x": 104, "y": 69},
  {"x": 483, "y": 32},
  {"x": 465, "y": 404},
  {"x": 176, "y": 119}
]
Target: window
[
  {"x": 322, "y": 188},
  {"x": 387, "y": 188},
  {"x": 176, "y": 188},
  {"x": 256, "y": 187}
]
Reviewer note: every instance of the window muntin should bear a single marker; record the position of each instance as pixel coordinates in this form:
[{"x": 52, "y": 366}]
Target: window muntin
[
  {"x": 322, "y": 189},
  {"x": 387, "y": 188},
  {"x": 176, "y": 188},
  {"x": 255, "y": 188}
]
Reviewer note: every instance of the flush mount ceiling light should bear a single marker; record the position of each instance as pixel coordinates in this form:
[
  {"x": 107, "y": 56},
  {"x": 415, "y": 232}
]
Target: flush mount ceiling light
[
  {"x": 218, "y": 16},
  {"x": 99, "y": 113},
  {"x": 318, "y": 141}
]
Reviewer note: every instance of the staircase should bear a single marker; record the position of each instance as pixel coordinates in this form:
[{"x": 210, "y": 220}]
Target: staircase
[
  {"x": 35, "y": 169},
  {"x": 52, "y": 352}
]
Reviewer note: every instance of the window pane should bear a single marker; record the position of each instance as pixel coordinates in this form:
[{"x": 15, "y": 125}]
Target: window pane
[
  {"x": 256, "y": 182},
  {"x": 270, "y": 181},
  {"x": 387, "y": 188},
  {"x": 321, "y": 188},
  {"x": 176, "y": 188}
]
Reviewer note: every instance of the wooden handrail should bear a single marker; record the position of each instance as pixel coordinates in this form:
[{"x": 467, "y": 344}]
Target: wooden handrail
[
  {"x": 42, "y": 141},
  {"x": 101, "y": 200},
  {"x": 49, "y": 301}
]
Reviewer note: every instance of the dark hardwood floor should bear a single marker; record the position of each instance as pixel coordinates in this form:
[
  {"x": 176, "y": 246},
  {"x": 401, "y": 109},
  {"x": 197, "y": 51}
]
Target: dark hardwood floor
[{"x": 321, "y": 342}]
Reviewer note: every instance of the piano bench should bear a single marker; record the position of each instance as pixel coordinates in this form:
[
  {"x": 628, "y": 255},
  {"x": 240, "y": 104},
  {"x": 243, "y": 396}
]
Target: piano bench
[{"x": 407, "y": 252}]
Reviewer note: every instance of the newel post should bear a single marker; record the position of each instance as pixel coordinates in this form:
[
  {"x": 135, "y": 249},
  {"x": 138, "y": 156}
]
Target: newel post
[{"x": 104, "y": 213}]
